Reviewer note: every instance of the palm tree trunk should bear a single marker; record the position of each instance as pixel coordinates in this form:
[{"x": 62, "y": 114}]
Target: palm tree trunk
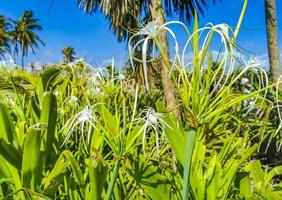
[
  {"x": 272, "y": 39},
  {"x": 170, "y": 95},
  {"x": 274, "y": 57},
  {"x": 22, "y": 61}
]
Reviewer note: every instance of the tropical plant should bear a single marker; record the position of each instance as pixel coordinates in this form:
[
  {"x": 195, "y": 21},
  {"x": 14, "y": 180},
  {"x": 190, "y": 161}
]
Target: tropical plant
[
  {"x": 75, "y": 132},
  {"x": 126, "y": 20},
  {"x": 69, "y": 54},
  {"x": 123, "y": 145},
  {"x": 23, "y": 35},
  {"x": 256, "y": 182},
  {"x": 4, "y": 36}
]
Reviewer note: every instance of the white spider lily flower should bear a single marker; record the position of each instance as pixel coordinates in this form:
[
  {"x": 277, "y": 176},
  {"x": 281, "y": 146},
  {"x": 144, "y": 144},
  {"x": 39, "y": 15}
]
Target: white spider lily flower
[
  {"x": 245, "y": 81},
  {"x": 150, "y": 32},
  {"x": 252, "y": 103},
  {"x": 151, "y": 28},
  {"x": 152, "y": 120},
  {"x": 153, "y": 117},
  {"x": 97, "y": 90},
  {"x": 245, "y": 103},
  {"x": 261, "y": 75},
  {"x": 94, "y": 92},
  {"x": 229, "y": 52},
  {"x": 83, "y": 119},
  {"x": 56, "y": 93},
  {"x": 73, "y": 101},
  {"x": 246, "y": 91},
  {"x": 96, "y": 78},
  {"x": 121, "y": 77}
]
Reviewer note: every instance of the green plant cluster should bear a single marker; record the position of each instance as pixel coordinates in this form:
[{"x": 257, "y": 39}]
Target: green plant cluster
[{"x": 76, "y": 132}]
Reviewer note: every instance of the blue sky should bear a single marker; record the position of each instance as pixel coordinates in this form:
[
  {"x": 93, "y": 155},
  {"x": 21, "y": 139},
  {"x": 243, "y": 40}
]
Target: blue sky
[{"x": 66, "y": 25}]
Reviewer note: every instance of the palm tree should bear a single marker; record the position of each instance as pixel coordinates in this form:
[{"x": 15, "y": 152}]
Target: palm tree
[
  {"x": 122, "y": 15},
  {"x": 23, "y": 34},
  {"x": 4, "y": 36},
  {"x": 272, "y": 39},
  {"x": 69, "y": 54}
]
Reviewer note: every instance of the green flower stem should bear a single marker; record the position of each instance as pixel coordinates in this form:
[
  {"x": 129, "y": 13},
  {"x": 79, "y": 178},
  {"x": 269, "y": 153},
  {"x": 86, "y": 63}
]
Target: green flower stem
[
  {"x": 190, "y": 140},
  {"x": 113, "y": 180}
]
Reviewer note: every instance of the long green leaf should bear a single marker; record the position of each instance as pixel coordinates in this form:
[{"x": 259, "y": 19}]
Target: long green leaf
[
  {"x": 11, "y": 154},
  {"x": 31, "y": 159},
  {"x": 48, "y": 116},
  {"x": 97, "y": 173},
  {"x": 7, "y": 129},
  {"x": 149, "y": 179},
  {"x": 190, "y": 139},
  {"x": 56, "y": 176},
  {"x": 176, "y": 138}
]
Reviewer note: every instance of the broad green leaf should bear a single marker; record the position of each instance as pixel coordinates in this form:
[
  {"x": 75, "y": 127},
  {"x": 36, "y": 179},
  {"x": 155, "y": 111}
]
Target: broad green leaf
[
  {"x": 46, "y": 79},
  {"x": 31, "y": 159},
  {"x": 11, "y": 154},
  {"x": 176, "y": 139},
  {"x": 21, "y": 132},
  {"x": 111, "y": 123},
  {"x": 274, "y": 172},
  {"x": 245, "y": 185},
  {"x": 132, "y": 137},
  {"x": 7, "y": 129},
  {"x": 149, "y": 179},
  {"x": 56, "y": 176},
  {"x": 11, "y": 172},
  {"x": 258, "y": 176},
  {"x": 97, "y": 173},
  {"x": 48, "y": 116}
]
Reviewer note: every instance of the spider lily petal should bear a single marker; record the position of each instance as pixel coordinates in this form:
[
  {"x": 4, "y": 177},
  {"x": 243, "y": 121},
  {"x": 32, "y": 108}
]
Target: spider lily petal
[{"x": 83, "y": 118}]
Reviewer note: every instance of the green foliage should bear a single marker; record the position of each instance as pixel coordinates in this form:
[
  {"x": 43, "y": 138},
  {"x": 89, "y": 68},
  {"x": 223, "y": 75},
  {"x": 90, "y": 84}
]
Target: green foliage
[
  {"x": 73, "y": 132},
  {"x": 256, "y": 182},
  {"x": 216, "y": 164},
  {"x": 69, "y": 54}
]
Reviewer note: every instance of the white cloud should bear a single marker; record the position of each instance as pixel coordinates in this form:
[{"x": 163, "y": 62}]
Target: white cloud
[
  {"x": 262, "y": 60},
  {"x": 45, "y": 56}
]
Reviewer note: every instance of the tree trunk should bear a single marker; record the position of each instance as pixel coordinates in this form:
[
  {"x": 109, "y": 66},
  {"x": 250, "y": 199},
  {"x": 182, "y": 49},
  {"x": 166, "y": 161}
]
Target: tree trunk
[
  {"x": 274, "y": 59},
  {"x": 22, "y": 61},
  {"x": 170, "y": 95},
  {"x": 272, "y": 39}
]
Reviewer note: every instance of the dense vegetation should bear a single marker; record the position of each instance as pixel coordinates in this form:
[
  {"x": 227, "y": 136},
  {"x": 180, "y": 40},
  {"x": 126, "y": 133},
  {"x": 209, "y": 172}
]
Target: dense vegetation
[{"x": 78, "y": 132}]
